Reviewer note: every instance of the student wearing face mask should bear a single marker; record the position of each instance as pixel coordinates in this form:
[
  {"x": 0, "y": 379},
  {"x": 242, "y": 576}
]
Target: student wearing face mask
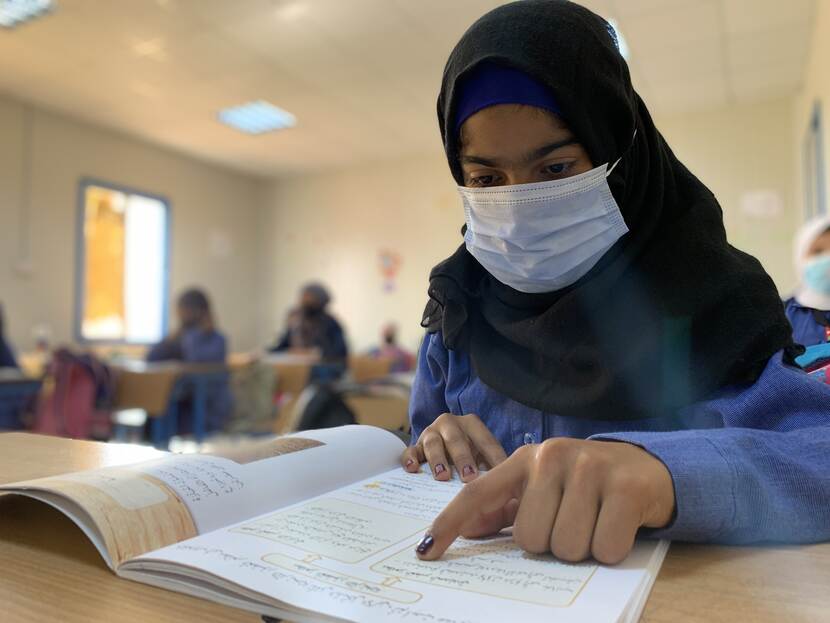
[
  {"x": 312, "y": 329},
  {"x": 809, "y": 308},
  {"x": 596, "y": 341}
]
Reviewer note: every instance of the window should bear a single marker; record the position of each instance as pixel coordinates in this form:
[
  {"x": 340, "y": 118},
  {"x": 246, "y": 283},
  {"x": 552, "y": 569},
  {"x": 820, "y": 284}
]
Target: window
[
  {"x": 815, "y": 198},
  {"x": 121, "y": 291}
]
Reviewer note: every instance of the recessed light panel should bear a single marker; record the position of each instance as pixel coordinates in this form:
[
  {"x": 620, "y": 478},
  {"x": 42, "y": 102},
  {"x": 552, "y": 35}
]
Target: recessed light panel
[
  {"x": 15, "y": 12},
  {"x": 257, "y": 118}
]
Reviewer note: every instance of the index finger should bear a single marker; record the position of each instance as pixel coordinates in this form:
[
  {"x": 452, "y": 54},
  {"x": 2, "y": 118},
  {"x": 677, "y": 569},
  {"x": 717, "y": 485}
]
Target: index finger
[{"x": 486, "y": 495}]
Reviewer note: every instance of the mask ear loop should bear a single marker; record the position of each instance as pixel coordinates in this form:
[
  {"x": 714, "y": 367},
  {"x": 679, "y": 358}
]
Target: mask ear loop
[{"x": 617, "y": 161}]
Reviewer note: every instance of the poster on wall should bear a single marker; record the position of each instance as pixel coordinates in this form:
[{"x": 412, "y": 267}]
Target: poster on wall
[
  {"x": 389, "y": 263},
  {"x": 762, "y": 203}
]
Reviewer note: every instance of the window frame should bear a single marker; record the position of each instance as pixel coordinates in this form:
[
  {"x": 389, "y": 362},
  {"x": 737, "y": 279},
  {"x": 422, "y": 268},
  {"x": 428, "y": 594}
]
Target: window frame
[
  {"x": 815, "y": 182},
  {"x": 80, "y": 259}
]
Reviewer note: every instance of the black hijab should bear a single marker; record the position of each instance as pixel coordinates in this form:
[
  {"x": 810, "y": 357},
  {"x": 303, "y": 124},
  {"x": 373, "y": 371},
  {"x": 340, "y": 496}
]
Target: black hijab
[{"x": 670, "y": 314}]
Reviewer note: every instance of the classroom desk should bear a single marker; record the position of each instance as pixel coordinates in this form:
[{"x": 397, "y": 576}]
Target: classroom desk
[
  {"x": 16, "y": 389},
  {"x": 150, "y": 386},
  {"x": 49, "y": 571}
]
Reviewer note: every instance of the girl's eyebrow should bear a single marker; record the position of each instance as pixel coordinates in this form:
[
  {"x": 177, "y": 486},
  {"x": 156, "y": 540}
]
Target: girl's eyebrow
[{"x": 541, "y": 152}]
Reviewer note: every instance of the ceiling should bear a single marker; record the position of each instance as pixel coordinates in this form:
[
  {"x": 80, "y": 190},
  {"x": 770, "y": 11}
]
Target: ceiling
[{"x": 360, "y": 75}]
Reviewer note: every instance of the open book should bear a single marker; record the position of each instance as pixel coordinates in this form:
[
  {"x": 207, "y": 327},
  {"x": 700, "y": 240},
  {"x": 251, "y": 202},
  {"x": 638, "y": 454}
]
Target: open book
[{"x": 321, "y": 526}]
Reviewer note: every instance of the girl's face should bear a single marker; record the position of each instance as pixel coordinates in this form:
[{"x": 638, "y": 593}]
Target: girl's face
[
  {"x": 821, "y": 245},
  {"x": 189, "y": 316},
  {"x": 515, "y": 144}
]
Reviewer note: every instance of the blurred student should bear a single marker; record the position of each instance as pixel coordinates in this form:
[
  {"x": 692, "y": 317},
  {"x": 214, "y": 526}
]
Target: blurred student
[
  {"x": 402, "y": 360},
  {"x": 7, "y": 359},
  {"x": 197, "y": 340},
  {"x": 809, "y": 308},
  {"x": 310, "y": 328}
]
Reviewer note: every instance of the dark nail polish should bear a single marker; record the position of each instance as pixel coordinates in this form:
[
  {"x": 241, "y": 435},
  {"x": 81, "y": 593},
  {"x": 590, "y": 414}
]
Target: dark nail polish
[
  {"x": 425, "y": 544},
  {"x": 439, "y": 469},
  {"x": 468, "y": 470}
]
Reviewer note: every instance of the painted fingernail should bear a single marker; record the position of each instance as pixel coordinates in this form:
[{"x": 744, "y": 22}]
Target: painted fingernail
[
  {"x": 409, "y": 463},
  {"x": 425, "y": 544},
  {"x": 440, "y": 469},
  {"x": 468, "y": 470}
]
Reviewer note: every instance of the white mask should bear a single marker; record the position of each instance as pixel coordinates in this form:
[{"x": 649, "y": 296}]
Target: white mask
[{"x": 543, "y": 237}]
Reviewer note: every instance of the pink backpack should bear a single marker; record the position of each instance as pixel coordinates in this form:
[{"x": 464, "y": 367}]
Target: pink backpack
[{"x": 74, "y": 388}]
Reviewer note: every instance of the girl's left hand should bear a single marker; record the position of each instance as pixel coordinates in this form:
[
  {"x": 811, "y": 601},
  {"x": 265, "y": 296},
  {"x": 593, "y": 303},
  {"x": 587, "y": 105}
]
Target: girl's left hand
[{"x": 572, "y": 497}]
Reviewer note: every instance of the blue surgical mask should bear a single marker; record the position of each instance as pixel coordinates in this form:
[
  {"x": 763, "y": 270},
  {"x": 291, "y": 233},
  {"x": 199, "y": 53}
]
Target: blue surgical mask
[
  {"x": 817, "y": 274},
  {"x": 543, "y": 237}
]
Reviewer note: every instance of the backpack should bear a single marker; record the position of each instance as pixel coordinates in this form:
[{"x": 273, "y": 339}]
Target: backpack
[
  {"x": 77, "y": 391},
  {"x": 321, "y": 406},
  {"x": 253, "y": 388}
]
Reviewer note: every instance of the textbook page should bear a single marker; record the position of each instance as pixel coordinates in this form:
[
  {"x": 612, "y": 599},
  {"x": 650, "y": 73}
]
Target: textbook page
[
  {"x": 349, "y": 555},
  {"x": 133, "y": 509}
]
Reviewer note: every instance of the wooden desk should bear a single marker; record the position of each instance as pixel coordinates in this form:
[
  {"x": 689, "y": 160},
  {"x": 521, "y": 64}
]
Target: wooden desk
[
  {"x": 150, "y": 386},
  {"x": 49, "y": 571},
  {"x": 718, "y": 584}
]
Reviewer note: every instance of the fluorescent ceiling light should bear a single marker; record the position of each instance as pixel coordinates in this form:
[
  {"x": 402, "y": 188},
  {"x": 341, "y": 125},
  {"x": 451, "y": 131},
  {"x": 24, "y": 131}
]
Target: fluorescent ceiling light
[
  {"x": 621, "y": 42},
  {"x": 257, "y": 118},
  {"x": 14, "y": 12}
]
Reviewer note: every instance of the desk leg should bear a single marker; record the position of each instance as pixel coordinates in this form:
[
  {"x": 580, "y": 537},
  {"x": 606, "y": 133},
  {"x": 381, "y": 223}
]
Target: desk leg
[
  {"x": 165, "y": 426},
  {"x": 200, "y": 409},
  {"x": 157, "y": 429},
  {"x": 172, "y": 422}
]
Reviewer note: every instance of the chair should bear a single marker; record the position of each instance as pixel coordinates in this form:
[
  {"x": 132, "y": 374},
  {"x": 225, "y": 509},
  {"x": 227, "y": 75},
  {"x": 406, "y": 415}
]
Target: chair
[{"x": 365, "y": 368}]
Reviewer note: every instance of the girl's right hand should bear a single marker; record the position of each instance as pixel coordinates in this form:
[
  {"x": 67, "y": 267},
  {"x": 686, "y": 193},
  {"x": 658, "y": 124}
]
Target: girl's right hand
[{"x": 460, "y": 440}]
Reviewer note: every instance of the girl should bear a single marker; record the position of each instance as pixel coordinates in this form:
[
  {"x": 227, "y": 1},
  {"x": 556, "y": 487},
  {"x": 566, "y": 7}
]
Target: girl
[
  {"x": 808, "y": 308},
  {"x": 312, "y": 328},
  {"x": 596, "y": 327},
  {"x": 197, "y": 341}
]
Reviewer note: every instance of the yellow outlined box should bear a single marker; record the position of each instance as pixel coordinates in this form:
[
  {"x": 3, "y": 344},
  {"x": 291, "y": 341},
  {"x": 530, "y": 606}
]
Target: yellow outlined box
[
  {"x": 459, "y": 571},
  {"x": 382, "y": 590},
  {"x": 379, "y": 528}
]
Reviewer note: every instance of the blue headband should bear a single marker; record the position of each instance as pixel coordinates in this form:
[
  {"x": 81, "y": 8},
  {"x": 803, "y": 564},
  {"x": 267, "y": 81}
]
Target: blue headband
[{"x": 489, "y": 85}]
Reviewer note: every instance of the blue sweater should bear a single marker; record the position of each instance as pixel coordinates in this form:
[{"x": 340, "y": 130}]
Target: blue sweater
[
  {"x": 806, "y": 330},
  {"x": 750, "y": 465},
  {"x": 7, "y": 359},
  {"x": 198, "y": 346}
]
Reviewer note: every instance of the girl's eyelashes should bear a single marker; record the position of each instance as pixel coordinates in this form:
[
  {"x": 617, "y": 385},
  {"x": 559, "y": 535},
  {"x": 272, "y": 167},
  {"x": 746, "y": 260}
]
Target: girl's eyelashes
[
  {"x": 558, "y": 168},
  {"x": 482, "y": 180},
  {"x": 554, "y": 170}
]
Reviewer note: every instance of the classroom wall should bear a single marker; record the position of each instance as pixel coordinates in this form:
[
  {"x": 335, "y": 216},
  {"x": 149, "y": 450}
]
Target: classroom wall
[
  {"x": 744, "y": 149},
  {"x": 214, "y": 221},
  {"x": 331, "y": 226}
]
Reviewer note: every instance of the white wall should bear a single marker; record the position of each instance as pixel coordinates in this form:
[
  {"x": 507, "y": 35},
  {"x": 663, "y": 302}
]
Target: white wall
[
  {"x": 205, "y": 200},
  {"x": 741, "y": 149},
  {"x": 331, "y": 226}
]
